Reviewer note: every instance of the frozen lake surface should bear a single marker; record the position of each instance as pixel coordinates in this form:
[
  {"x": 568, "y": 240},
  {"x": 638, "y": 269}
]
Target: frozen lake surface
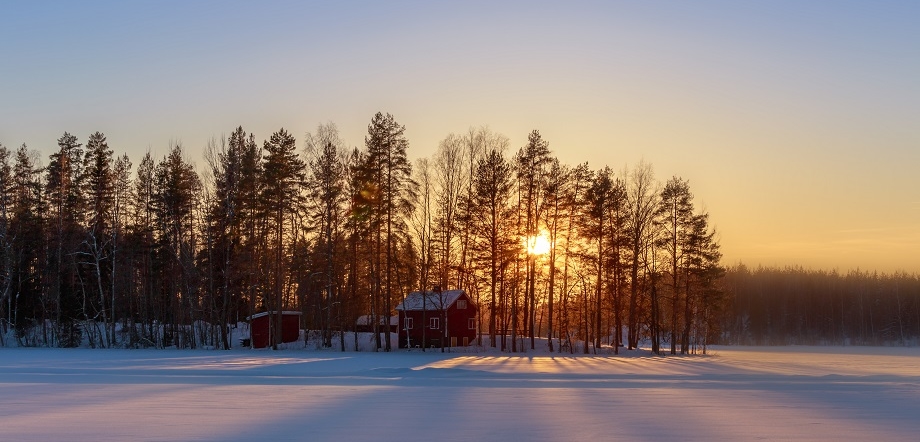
[{"x": 737, "y": 393}]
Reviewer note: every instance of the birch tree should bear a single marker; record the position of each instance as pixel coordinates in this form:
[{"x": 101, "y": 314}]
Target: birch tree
[{"x": 642, "y": 200}]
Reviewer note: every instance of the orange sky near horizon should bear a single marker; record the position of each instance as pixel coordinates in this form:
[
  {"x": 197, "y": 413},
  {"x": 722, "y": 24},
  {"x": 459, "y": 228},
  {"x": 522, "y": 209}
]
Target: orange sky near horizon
[{"x": 795, "y": 124}]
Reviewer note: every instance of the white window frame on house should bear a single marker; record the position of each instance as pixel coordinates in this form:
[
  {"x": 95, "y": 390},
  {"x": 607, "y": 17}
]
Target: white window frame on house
[
  {"x": 408, "y": 323},
  {"x": 471, "y": 323},
  {"x": 461, "y": 304},
  {"x": 434, "y": 323}
]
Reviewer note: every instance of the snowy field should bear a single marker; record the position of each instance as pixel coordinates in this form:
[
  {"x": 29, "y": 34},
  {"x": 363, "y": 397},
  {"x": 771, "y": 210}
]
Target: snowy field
[{"x": 737, "y": 393}]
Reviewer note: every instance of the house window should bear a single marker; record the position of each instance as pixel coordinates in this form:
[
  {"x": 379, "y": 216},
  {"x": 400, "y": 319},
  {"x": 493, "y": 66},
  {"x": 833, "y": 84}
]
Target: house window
[
  {"x": 471, "y": 323},
  {"x": 408, "y": 323},
  {"x": 461, "y": 304},
  {"x": 434, "y": 323}
]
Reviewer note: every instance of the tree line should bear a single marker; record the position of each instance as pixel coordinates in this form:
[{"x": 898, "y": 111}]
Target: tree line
[
  {"x": 783, "y": 306},
  {"x": 94, "y": 250}
]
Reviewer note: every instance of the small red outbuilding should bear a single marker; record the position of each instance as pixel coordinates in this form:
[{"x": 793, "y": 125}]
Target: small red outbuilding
[{"x": 262, "y": 324}]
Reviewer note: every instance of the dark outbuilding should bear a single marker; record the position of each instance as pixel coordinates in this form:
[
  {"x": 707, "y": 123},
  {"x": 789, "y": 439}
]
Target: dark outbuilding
[{"x": 262, "y": 326}]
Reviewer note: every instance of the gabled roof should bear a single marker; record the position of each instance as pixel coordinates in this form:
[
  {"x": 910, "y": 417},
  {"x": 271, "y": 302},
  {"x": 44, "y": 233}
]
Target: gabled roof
[
  {"x": 274, "y": 312},
  {"x": 430, "y": 300}
]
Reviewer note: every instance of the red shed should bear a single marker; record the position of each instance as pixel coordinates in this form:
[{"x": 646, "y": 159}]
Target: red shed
[
  {"x": 437, "y": 318},
  {"x": 261, "y": 325}
]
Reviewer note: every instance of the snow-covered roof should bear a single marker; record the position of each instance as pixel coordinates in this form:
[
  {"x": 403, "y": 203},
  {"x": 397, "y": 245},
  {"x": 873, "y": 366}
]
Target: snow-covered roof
[
  {"x": 274, "y": 312},
  {"x": 430, "y": 301}
]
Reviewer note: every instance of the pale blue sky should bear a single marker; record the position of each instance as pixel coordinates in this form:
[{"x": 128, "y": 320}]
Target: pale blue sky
[{"x": 797, "y": 123}]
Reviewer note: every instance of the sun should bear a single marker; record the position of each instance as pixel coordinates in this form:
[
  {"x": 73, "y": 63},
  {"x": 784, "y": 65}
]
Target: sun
[{"x": 537, "y": 244}]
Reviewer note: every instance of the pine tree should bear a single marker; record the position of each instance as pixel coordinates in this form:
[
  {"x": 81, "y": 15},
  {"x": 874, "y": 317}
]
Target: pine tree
[
  {"x": 250, "y": 219},
  {"x": 490, "y": 209},
  {"x": 532, "y": 161},
  {"x": 389, "y": 173},
  {"x": 65, "y": 200},
  {"x": 675, "y": 217},
  {"x": 327, "y": 196},
  {"x": 224, "y": 231},
  {"x": 361, "y": 284},
  {"x": 95, "y": 251},
  {"x": 30, "y": 247},
  {"x": 703, "y": 269},
  {"x": 120, "y": 198},
  {"x": 99, "y": 181},
  {"x": 284, "y": 174},
  {"x": 176, "y": 192},
  {"x": 580, "y": 181},
  {"x": 597, "y": 208},
  {"x": 6, "y": 242},
  {"x": 554, "y": 195},
  {"x": 142, "y": 229}
]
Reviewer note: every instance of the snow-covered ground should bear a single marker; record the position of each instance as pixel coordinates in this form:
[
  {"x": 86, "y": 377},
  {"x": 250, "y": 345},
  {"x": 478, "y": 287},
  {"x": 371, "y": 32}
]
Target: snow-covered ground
[{"x": 737, "y": 393}]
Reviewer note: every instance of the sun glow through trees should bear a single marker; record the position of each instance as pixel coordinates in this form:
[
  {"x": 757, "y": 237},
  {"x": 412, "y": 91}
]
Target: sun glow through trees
[{"x": 537, "y": 244}]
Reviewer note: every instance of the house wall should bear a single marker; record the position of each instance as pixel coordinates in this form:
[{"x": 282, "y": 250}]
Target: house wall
[{"x": 457, "y": 327}]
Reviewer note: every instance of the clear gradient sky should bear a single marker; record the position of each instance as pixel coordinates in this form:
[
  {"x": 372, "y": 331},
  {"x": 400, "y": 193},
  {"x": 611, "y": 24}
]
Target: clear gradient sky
[{"x": 797, "y": 123}]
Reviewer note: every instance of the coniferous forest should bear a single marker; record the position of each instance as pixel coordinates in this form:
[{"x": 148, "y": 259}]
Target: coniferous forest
[{"x": 98, "y": 250}]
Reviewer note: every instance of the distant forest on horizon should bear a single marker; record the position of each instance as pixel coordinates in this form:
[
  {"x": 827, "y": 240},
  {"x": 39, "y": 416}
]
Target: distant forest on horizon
[{"x": 95, "y": 251}]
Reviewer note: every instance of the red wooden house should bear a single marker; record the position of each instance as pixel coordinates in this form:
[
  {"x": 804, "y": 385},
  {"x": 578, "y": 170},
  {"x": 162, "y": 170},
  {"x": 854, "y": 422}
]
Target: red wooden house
[
  {"x": 437, "y": 318},
  {"x": 262, "y": 325}
]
